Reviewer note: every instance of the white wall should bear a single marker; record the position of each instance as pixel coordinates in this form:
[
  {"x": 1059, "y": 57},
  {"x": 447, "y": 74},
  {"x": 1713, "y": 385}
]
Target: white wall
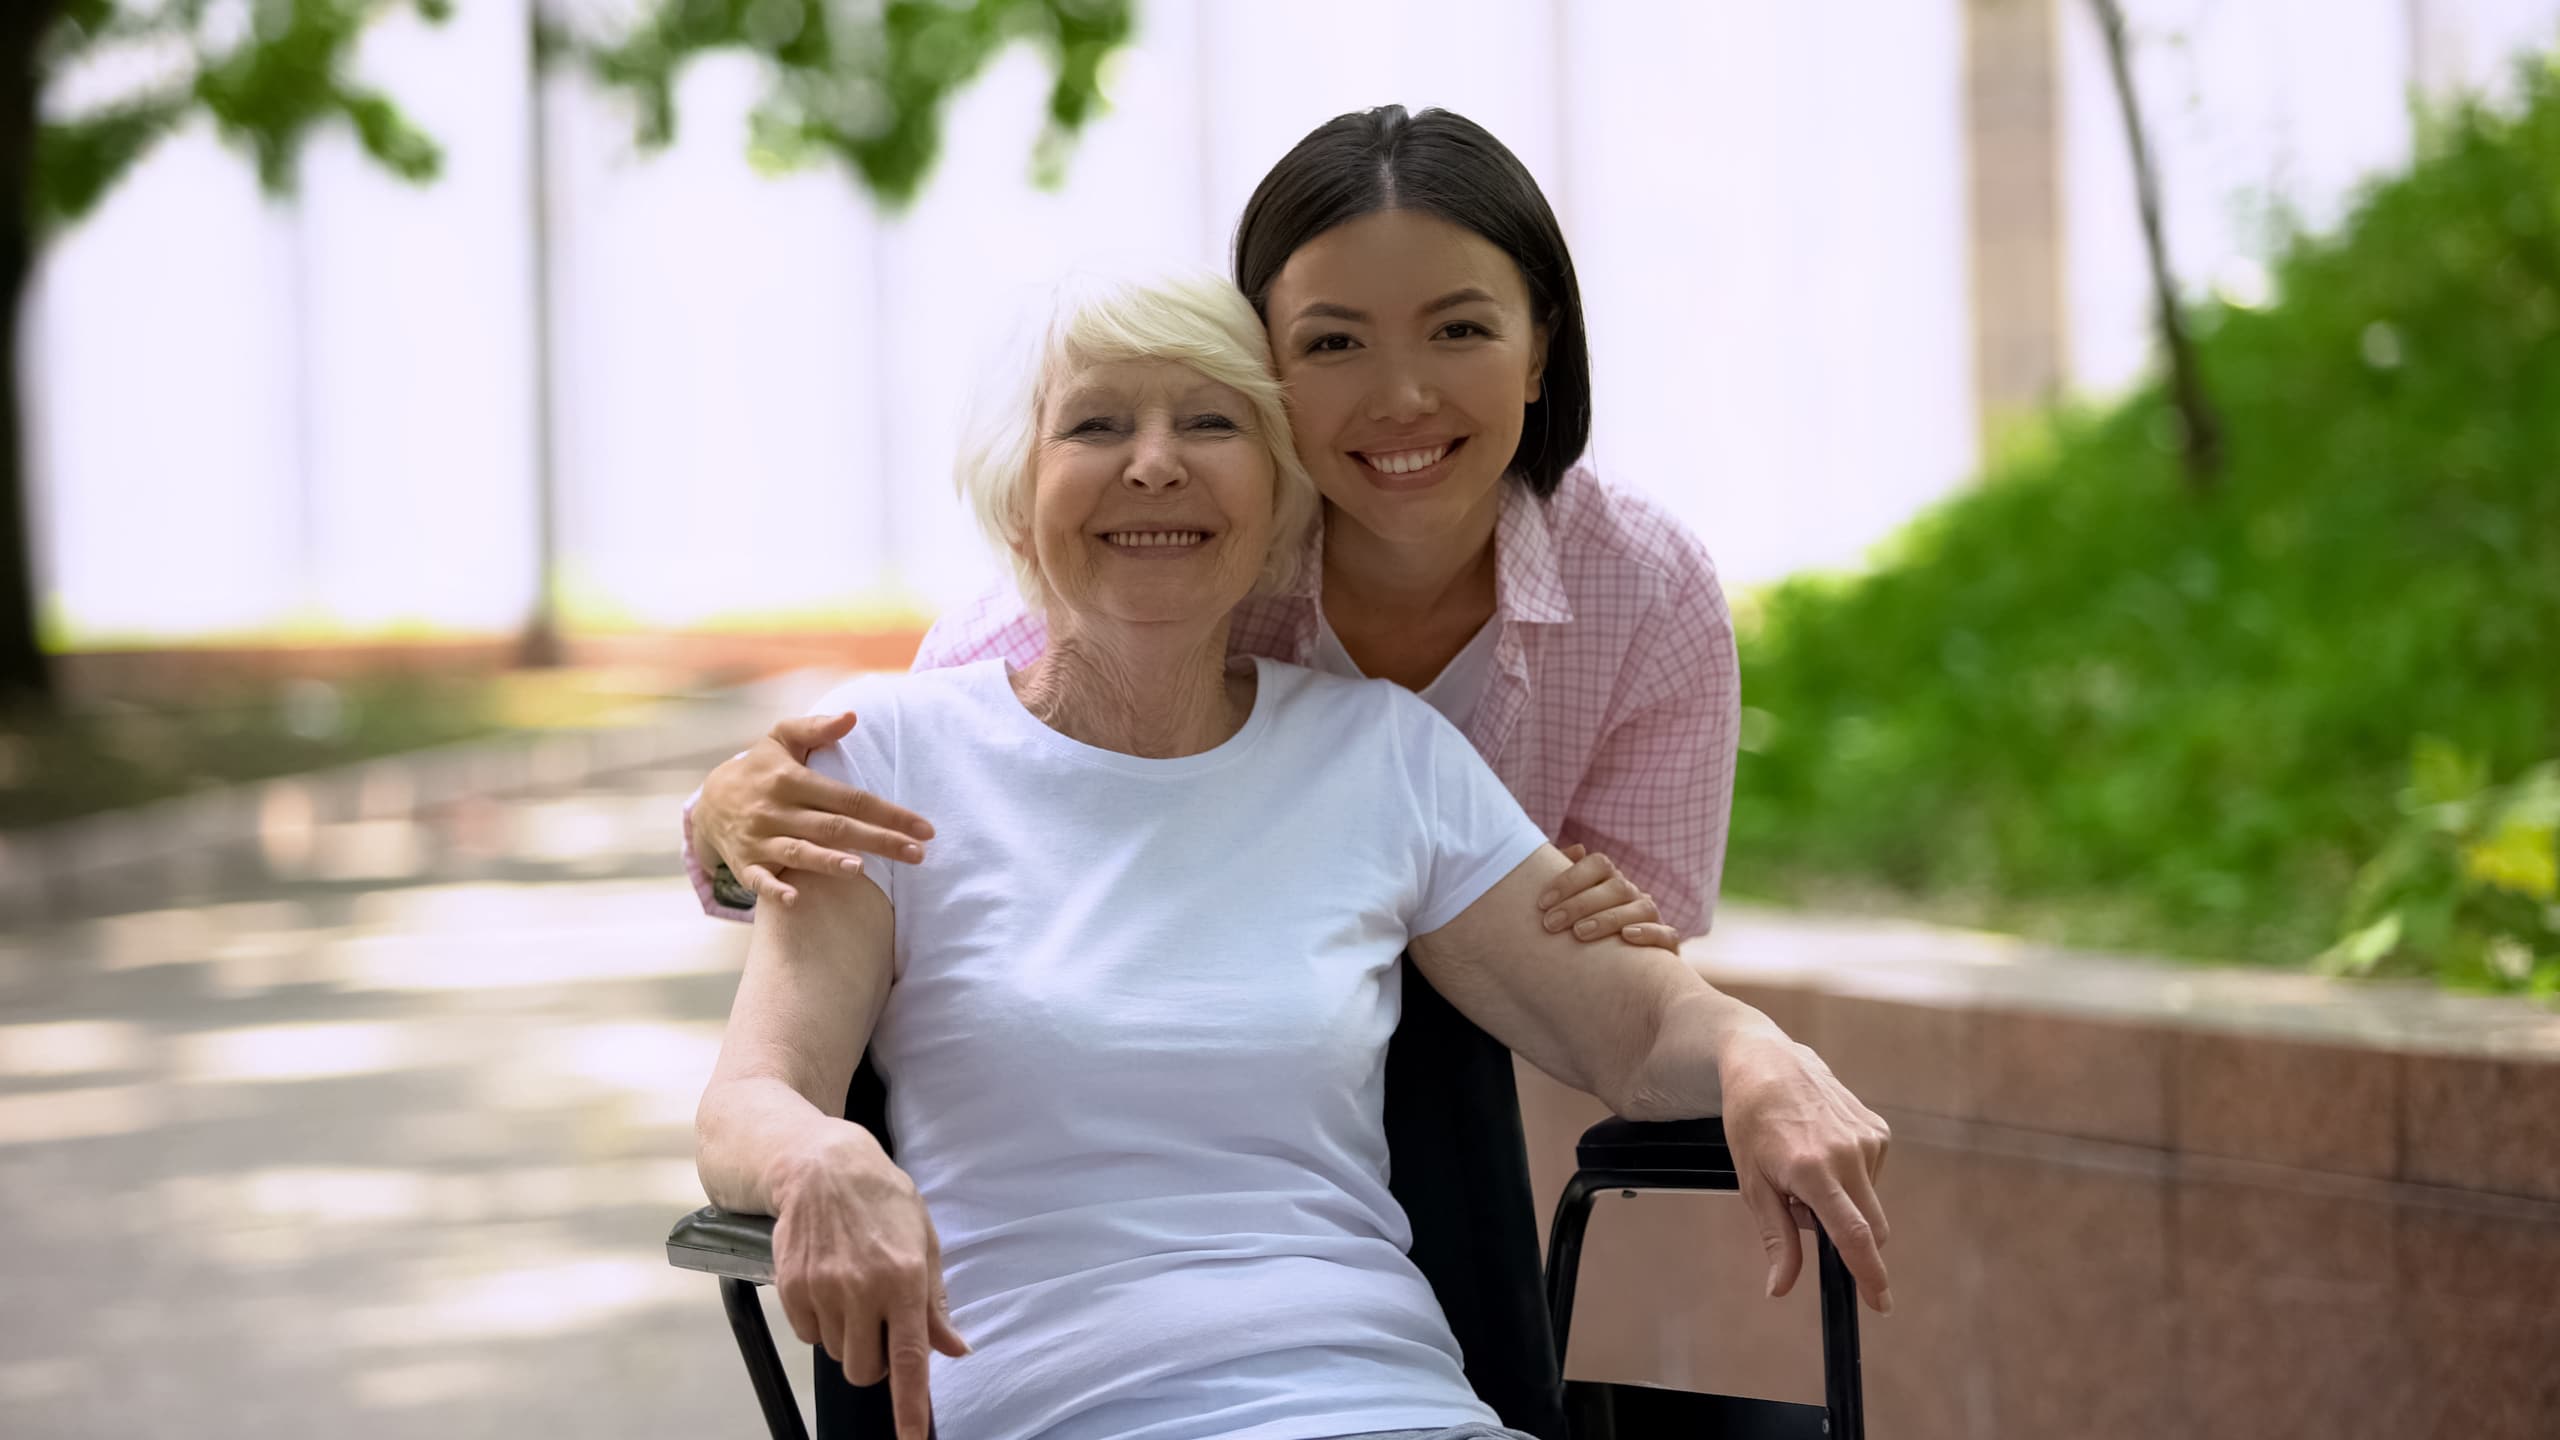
[{"x": 248, "y": 413}]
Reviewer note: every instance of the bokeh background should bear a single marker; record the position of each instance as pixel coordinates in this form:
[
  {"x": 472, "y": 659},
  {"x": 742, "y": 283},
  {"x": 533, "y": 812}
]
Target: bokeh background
[
  {"x": 415, "y": 507},
  {"x": 249, "y": 414}
]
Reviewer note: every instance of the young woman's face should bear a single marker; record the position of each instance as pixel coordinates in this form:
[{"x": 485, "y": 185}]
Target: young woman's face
[
  {"x": 1409, "y": 352},
  {"x": 1151, "y": 496}
]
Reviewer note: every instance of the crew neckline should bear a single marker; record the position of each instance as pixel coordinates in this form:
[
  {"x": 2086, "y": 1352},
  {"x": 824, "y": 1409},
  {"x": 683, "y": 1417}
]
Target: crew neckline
[{"x": 998, "y": 673}]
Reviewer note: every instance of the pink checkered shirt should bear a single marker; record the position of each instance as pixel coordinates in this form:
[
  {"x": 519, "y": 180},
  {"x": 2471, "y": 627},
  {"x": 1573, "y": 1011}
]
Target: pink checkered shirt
[{"x": 1615, "y": 703}]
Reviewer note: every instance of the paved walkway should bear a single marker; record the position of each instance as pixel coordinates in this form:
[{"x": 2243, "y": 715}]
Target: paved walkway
[{"x": 388, "y": 1154}]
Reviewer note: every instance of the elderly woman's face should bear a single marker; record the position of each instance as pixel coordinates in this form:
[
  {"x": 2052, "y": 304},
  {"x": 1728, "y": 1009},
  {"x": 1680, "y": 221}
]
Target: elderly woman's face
[{"x": 1151, "y": 495}]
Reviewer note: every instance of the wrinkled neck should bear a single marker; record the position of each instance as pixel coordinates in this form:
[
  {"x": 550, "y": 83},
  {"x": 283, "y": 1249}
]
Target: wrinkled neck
[{"x": 1156, "y": 700}]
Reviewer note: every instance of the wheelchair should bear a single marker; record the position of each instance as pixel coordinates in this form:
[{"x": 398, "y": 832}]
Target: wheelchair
[{"x": 1459, "y": 1167}]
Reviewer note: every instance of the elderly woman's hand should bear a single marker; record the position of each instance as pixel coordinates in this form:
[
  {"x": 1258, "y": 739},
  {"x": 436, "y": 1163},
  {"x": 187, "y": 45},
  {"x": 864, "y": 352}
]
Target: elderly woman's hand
[
  {"x": 1598, "y": 902},
  {"x": 858, "y": 1268},
  {"x": 765, "y": 811},
  {"x": 1804, "y": 1147}
]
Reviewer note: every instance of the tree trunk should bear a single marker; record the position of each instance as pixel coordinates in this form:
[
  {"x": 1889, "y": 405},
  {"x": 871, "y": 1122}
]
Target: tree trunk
[
  {"x": 2200, "y": 440},
  {"x": 25, "y": 677},
  {"x": 539, "y": 645}
]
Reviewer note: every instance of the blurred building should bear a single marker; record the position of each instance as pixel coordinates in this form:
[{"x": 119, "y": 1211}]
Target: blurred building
[{"x": 1824, "y": 246}]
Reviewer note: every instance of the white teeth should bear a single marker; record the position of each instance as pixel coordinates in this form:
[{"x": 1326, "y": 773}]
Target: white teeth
[
  {"x": 1144, "y": 538},
  {"x": 1405, "y": 462}
]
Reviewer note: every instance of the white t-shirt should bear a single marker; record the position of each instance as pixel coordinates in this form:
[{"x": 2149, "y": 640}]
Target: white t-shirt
[
  {"x": 1455, "y": 692},
  {"x": 1136, "y": 1049}
]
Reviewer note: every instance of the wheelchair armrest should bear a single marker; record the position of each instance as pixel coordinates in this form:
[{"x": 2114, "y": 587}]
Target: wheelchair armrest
[
  {"x": 716, "y": 1242},
  {"x": 1658, "y": 1154}
]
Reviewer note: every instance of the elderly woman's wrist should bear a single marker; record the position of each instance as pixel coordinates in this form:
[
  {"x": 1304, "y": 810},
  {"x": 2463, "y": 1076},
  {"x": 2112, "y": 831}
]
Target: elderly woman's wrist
[{"x": 829, "y": 1147}]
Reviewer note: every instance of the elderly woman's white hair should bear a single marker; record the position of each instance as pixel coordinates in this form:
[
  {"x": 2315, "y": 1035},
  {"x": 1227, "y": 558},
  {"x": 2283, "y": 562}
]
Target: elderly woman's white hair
[{"x": 1196, "y": 317}]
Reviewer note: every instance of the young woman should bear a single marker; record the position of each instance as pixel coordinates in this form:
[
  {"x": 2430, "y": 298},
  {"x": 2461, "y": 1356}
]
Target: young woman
[{"x": 1425, "y": 322}]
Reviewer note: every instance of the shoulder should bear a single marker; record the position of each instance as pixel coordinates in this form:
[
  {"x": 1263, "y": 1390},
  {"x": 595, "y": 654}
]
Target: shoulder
[
  {"x": 1345, "y": 710},
  {"x": 997, "y": 625},
  {"x": 1601, "y": 526},
  {"x": 881, "y": 700},
  {"x": 1635, "y": 571}
]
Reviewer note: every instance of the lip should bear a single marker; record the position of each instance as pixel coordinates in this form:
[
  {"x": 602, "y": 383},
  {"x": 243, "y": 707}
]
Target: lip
[{"x": 1410, "y": 480}]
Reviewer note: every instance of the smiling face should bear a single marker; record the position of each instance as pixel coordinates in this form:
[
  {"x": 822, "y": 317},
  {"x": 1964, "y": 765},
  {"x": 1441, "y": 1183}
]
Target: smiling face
[
  {"x": 1409, "y": 351},
  {"x": 1151, "y": 499}
]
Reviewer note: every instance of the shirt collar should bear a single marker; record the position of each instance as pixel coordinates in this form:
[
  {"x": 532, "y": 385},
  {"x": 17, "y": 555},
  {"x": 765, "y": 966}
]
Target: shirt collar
[{"x": 1528, "y": 585}]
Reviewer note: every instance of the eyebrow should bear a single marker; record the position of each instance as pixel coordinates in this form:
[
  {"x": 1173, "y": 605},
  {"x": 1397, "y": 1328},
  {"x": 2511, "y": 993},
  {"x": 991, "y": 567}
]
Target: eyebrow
[{"x": 1326, "y": 310}]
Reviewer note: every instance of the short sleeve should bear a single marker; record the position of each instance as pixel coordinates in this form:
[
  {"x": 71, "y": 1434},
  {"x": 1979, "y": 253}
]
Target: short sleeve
[
  {"x": 1478, "y": 832},
  {"x": 867, "y": 757}
]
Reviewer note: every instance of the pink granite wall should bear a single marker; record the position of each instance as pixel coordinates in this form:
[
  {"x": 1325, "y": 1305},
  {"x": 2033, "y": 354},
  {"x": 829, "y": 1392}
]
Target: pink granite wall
[{"x": 2130, "y": 1226}]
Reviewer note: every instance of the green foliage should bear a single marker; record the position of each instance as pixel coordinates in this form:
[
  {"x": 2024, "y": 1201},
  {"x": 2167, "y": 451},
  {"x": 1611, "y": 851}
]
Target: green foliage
[
  {"x": 867, "y": 85},
  {"x": 2084, "y": 702},
  {"x": 2469, "y": 890},
  {"x": 266, "y": 89}
]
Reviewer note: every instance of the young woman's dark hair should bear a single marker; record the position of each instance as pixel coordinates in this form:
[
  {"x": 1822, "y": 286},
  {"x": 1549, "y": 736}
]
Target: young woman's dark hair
[{"x": 1442, "y": 164}]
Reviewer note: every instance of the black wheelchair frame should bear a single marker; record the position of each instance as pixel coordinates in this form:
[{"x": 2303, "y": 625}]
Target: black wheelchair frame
[{"x": 1460, "y": 1170}]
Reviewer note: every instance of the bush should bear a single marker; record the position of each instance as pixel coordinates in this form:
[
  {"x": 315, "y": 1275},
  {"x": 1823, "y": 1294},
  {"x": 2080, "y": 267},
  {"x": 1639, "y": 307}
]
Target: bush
[
  {"x": 2089, "y": 702},
  {"x": 2469, "y": 891}
]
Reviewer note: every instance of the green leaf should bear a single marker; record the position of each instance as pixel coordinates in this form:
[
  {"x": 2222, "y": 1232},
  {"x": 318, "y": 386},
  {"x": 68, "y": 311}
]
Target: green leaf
[
  {"x": 78, "y": 161},
  {"x": 2442, "y": 775},
  {"x": 2360, "y": 952},
  {"x": 388, "y": 136}
]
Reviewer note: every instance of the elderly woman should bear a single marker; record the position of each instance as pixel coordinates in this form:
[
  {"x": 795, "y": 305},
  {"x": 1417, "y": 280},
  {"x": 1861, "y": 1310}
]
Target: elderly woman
[{"x": 1134, "y": 1011}]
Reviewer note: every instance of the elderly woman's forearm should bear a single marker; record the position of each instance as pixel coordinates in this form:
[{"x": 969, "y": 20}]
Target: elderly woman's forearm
[{"x": 749, "y": 1131}]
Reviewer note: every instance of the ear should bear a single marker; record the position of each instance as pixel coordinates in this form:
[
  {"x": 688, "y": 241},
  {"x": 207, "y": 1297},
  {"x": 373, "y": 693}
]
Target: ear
[{"x": 1537, "y": 366}]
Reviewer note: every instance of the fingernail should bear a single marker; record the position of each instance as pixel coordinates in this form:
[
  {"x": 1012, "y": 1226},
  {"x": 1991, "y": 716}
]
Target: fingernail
[
  {"x": 1587, "y": 928},
  {"x": 923, "y": 831},
  {"x": 913, "y": 853},
  {"x": 1555, "y": 919},
  {"x": 849, "y": 865},
  {"x": 1773, "y": 1285},
  {"x": 1546, "y": 900},
  {"x": 1884, "y": 1302}
]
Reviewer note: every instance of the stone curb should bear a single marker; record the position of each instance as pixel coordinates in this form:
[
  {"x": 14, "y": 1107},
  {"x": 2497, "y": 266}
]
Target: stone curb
[{"x": 57, "y": 871}]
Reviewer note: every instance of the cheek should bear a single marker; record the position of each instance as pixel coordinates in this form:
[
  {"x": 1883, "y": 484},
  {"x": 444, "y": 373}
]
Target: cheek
[
  {"x": 1319, "y": 400},
  {"x": 1496, "y": 384}
]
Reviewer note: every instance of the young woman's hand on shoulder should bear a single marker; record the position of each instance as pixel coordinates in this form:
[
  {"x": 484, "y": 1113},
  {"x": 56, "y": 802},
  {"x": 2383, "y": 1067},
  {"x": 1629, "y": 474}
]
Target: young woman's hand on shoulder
[{"x": 765, "y": 812}]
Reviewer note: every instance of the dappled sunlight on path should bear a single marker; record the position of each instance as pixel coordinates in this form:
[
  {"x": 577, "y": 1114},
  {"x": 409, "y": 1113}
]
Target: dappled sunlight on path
[{"x": 396, "y": 1158}]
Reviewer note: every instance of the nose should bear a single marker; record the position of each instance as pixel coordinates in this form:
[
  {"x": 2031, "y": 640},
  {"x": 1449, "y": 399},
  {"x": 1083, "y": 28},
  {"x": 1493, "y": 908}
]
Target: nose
[
  {"x": 1155, "y": 463},
  {"x": 1404, "y": 393}
]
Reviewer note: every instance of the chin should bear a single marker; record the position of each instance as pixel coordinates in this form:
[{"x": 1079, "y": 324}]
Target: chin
[{"x": 1418, "y": 515}]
